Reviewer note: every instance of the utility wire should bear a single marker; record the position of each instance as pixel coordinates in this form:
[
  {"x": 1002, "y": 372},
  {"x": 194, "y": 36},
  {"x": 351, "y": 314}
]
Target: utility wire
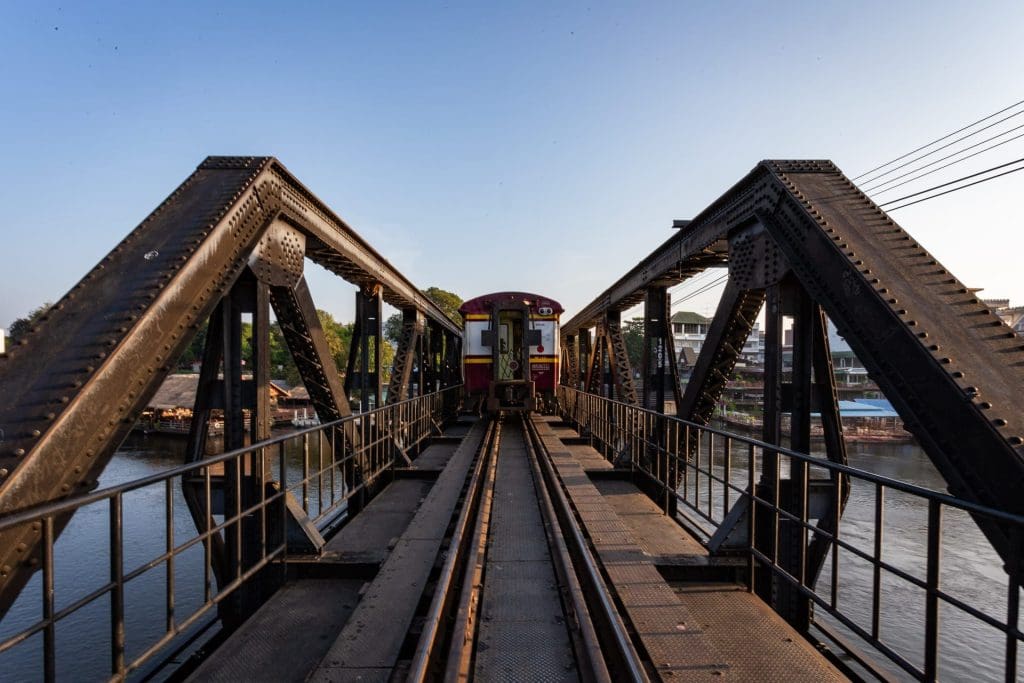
[
  {"x": 687, "y": 286},
  {"x": 944, "y": 137},
  {"x": 705, "y": 288},
  {"x": 951, "y": 182},
  {"x": 962, "y": 187},
  {"x": 948, "y": 156},
  {"x": 944, "y": 146}
]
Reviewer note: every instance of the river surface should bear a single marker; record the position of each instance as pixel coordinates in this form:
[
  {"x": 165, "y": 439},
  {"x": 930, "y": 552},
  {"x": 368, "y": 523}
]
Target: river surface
[{"x": 971, "y": 571}]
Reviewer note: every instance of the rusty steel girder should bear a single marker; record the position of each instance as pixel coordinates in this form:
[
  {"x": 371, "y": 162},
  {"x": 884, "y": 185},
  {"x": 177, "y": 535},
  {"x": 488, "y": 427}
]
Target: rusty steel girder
[
  {"x": 952, "y": 369},
  {"x": 74, "y": 386}
]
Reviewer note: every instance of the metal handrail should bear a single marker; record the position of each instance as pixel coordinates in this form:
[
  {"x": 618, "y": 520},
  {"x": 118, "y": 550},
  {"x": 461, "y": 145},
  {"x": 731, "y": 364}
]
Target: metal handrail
[
  {"x": 895, "y": 484},
  {"x": 74, "y": 502},
  {"x": 620, "y": 428},
  {"x": 412, "y": 421}
]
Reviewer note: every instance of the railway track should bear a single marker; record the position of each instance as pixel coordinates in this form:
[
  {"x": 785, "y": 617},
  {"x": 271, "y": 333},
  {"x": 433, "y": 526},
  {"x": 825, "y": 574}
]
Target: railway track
[{"x": 520, "y": 595}]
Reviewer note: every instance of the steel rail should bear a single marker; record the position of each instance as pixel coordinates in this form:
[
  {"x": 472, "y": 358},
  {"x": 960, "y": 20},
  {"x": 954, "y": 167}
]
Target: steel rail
[
  {"x": 589, "y": 644},
  {"x": 619, "y": 640},
  {"x": 463, "y": 633},
  {"x": 433, "y": 633}
]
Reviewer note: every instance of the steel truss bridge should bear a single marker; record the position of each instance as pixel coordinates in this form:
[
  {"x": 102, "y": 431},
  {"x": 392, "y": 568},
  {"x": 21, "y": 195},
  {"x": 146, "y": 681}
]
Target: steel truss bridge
[{"x": 415, "y": 541}]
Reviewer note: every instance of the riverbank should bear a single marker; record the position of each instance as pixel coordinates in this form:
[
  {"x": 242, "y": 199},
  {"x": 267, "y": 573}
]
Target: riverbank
[{"x": 753, "y": 424}]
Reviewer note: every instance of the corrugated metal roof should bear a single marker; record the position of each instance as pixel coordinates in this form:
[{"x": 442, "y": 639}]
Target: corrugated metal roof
[
  {"x": 179, "y": 391},
  {"x": 866, "y": 407}
]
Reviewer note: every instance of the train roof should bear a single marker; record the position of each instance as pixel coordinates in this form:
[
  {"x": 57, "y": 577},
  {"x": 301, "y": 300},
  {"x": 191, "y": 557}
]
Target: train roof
[{"x": 483, "y": 303}]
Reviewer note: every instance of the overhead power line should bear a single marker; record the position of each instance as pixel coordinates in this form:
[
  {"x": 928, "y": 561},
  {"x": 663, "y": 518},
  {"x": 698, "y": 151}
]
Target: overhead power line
[
  {"x": 938, "y": 140},
  {"x": 949, "y": 156},
  {"x": 705, "y": 288},
  {"x": 952, "y": 182},
  {"x": 955, "y": 189}
]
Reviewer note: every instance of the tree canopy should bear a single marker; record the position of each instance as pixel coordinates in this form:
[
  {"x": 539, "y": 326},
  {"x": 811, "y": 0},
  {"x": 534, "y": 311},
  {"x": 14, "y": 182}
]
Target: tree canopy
[
  {"x": 448, "y": 302},
  {"x": 282, "y": 366},
  {"x": 633, "y": 336},
  {"x": 22, "y": 326}
]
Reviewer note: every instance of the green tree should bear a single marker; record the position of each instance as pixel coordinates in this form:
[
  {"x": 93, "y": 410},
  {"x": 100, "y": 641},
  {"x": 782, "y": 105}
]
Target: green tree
[
  {"x": 194, "y": 352},
  {"x": 633, "y": 336},
  {"x": 339, "y": 338},
  {"x": 393, "y": 328},
  {"x": 282, "y": 365},
  {"x": 448, "y": 302},
  {"x": 22, "y": 326}
]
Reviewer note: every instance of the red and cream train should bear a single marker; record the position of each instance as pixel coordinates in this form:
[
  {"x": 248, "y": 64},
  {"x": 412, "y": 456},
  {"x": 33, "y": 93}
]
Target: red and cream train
[{"x": 510, "y": 351}]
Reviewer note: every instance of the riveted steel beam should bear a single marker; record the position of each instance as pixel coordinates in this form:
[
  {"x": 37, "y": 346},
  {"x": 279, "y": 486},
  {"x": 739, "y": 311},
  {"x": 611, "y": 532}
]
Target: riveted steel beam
[
  {"x": 733, "y": 321},
  {"x": 402, "y": 369},
  {"x": 76, "y": 384}
]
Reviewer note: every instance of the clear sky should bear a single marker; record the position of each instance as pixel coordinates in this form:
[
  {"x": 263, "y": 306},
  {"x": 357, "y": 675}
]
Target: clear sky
[{"x": 458, "y": 137}]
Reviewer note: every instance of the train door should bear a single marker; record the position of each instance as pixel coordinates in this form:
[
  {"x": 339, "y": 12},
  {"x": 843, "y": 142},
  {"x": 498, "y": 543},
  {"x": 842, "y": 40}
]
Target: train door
[
  {"x": 510, "y": 346},
  {"x": 511, "y": 386}
]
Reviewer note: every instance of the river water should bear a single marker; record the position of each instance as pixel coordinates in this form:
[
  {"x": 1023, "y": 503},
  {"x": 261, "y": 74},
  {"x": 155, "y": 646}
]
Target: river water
[{"x": 971, "y": 571}]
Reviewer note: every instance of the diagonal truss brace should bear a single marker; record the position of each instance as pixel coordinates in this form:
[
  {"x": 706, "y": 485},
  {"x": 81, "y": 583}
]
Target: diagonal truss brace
[
  {"x": 405, "y": 356},
  {"x": 733, "y": 321},
  {"x": 305, "y": 338},
  {"x": 618, "y": 359}
]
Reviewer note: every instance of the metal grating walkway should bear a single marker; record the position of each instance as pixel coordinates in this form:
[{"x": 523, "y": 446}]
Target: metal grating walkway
[{"x": 523, "y": 635}]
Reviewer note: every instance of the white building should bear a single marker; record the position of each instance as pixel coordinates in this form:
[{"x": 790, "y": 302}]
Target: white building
[
  {"x": 690, "y": 330},
  {"x": 847, "y": 367},
  {"x": 1011, "y": 315},
  {"x": 3, "y": 340}
]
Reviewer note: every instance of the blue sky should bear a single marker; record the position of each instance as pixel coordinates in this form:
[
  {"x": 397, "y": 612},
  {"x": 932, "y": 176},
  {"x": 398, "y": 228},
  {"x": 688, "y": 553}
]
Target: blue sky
[{"x": 454, "y": 136}]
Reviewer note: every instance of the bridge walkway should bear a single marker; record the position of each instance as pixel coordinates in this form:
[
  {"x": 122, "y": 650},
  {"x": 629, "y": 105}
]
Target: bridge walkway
[
  {"x": 323, "y": 612},
  {"x": 692, "y": 617},
  {"x": 356, "y": 613}
]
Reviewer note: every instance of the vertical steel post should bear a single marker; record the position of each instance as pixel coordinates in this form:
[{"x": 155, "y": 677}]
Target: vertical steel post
[
  {"x": 50, "y": 630},
  {"x": 931, "y": 615},
  {"x": 117, "y": 632},
  {"x": 771, "y": 433},
  {"x": 582, "y": 381},
  {"x": 798, "y": 607},
  {"x": 656, "y": 353}
]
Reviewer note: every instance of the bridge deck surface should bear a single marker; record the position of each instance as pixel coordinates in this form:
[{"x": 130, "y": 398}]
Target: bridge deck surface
[
  {"x": 293, "y": 632},
  {"x": 694, "y": 629},
  {"x": 369, "y": 645},
  {"x": 699, "y": 623},
  {"x": 523, "y": 634}
]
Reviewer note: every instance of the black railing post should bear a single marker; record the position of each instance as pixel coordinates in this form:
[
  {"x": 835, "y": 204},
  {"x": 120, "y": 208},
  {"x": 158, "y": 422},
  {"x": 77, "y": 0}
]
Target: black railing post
[
  {"x": 169, "y": 547},
  {"x": 876, "y": 564},
  {"x": 117, "y": 634},
  {"x": 50, "y": 631},
  {"x": 931, "y": 617},
  {"x": 1013, "y": 604}
]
